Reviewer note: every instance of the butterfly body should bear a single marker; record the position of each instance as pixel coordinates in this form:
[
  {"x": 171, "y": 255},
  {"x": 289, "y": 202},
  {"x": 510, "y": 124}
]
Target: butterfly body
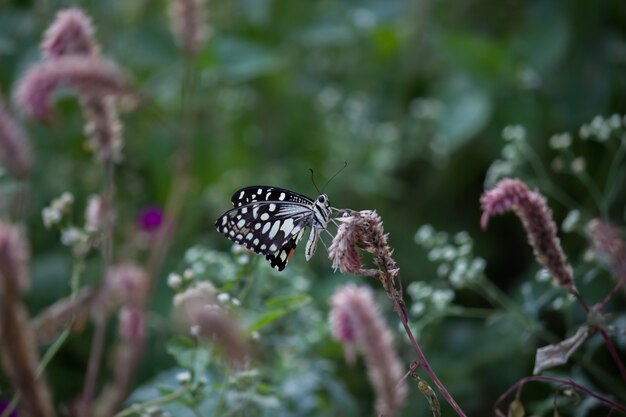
[{"x": 272, "y": 221}]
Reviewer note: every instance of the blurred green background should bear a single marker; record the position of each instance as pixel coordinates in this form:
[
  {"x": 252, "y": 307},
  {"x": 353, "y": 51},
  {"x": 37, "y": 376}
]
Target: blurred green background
[{"x": 413, "y": 95}]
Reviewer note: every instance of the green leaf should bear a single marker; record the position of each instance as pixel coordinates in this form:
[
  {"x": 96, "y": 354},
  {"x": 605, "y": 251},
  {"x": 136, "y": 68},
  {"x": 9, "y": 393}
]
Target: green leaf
[
  {"x": 466, "y": 111},
  {"x": 184, "y": 350},
  {"x": 280, "y": 306},
  {"x": 289, "y": 301},
  {"x": 241, "y": 60}
]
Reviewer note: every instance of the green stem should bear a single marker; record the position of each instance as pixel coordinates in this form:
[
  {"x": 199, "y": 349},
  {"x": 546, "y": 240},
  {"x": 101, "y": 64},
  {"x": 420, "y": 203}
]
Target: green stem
[
  {"x": 542, "y": 173},
  {"x": 492, "y": 293},
  {"x": 612, "y": 182},
  {"x": 136, "y": 409},
  {"x": 585, "y": 179}
]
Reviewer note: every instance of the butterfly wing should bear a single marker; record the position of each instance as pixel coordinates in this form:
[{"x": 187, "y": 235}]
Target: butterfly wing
[
  {"x": 279, "y": 259},
  {"x": 264, "y": 227},
  {"x": 259, "y": 193}
]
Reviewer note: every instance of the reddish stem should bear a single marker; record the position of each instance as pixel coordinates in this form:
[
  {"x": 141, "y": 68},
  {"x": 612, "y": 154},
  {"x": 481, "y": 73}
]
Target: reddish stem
[{"x": 518, "y": 385}]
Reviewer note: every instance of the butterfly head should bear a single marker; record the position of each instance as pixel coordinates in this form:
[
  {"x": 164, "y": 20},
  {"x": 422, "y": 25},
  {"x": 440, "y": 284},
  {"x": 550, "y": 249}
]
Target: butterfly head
[{"x": 322, "y": 210}]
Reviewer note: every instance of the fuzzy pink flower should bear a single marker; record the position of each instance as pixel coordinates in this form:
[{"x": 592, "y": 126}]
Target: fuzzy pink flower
[
  {"x": 92, "y": 77},
  {"x": 15, "y": 152},
  {"x": 126, "y": 283},
  {"x": 132, "y": 328},
  {"x": 531, "y": 208},
  {"x": 608, "y": 242},
  {"x": 356, "y": 321},
  {"x": 188, "y": 23},
  {"x": 342, "y": 251},
  {"x": 71, "y": 33},
  {"x": 18, "y": 350}
]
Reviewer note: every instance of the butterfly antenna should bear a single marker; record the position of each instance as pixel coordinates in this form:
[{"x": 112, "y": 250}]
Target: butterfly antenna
[
  {"x": 345, "y": 164},
  {"x": 313, "y": 181}
]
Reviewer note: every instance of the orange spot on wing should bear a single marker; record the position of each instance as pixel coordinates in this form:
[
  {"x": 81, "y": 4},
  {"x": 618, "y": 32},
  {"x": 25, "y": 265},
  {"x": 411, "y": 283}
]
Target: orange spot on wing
[{"x": 290, "y": 254}]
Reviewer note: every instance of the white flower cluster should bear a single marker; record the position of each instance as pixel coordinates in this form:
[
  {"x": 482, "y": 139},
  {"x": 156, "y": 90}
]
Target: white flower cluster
[
  {"x": 455, "y": 258},
  {"x": 601, "y": 129},
  {"x": 58, "y": 208}
]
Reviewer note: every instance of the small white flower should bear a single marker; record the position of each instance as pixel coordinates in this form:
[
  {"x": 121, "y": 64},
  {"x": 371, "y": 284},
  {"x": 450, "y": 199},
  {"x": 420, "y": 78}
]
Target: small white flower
[
  {"x": 183, "y": 377},
  {"x": 543, "y": 276},
  {"x": 174, "y": 280},
  {"x": 255, "y": 335},
  {"x": 441, "y": 298},
  {"x": 194, "y": 330},
  {"x": 424, "y": 234},
  {"x": 363, "y": 18},
  {"x": 223, "y": 297},
  {"x": 198, "y": 268},
  {"x": 560, "y": 141},
  {"x": 50, "y": 217},
  {"x": 71, "y": 236},
  {"x": 418, "y": 308},
  {"x": 571, "y": 221},
  {"x": 188, "y": 274},
  {"x": 514, "y": 133},
  {"x": 578, "y": 164},
  {"x": 243, "y": 259},
  {"x": 235, "y": 302}
]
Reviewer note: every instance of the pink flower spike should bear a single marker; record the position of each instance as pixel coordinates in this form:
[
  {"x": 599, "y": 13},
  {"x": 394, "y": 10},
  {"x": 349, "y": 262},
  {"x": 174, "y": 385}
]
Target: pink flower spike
[
  {"x": 188, "y": 23},
  {"x": 92, "y": 77},
  {"x": 71, "y": 33},
  {"x": 15, "y": 152},
  {"x": 357, "y": 322},
  {"x": 531, "y": 208}
]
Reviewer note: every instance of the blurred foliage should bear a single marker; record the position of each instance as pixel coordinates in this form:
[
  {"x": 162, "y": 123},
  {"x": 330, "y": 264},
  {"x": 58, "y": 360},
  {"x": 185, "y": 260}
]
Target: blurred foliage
[{"x": 415, "y": 96}]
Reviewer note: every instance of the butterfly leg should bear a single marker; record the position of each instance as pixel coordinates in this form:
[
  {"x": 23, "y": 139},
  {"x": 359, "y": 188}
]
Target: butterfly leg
[{"x": 311, "y": 244}]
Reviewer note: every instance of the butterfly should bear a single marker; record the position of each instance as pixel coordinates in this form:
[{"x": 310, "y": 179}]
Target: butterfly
[{"x": 271, "y": 221}]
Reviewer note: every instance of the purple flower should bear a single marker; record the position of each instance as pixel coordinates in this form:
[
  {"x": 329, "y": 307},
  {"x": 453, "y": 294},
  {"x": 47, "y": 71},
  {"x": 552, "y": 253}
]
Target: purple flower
[
  {"x": 150, "y": 218},
  {"x": 4, "y": 404}
]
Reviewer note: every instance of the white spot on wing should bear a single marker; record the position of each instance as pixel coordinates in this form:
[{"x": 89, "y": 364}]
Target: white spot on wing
[
  {"x": 282, "y": 196},
  {"x": 287, "y": 226},
  {"x": 266, "y": 227},
  {"x": 265, "y": 216},
  {"x": 273, "y": 248},
  {"x": 241, "y": 223},
  {"x": 241, "y": 194},
  {"x": 272, "y": 207},
  {"x": 249, "y": 236},
  {"x": 275, "y": 228}
]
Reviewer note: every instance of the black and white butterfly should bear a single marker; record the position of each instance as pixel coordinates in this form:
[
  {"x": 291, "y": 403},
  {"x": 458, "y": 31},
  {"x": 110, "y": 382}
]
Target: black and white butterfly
[{"x": 271, "y": 221}]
